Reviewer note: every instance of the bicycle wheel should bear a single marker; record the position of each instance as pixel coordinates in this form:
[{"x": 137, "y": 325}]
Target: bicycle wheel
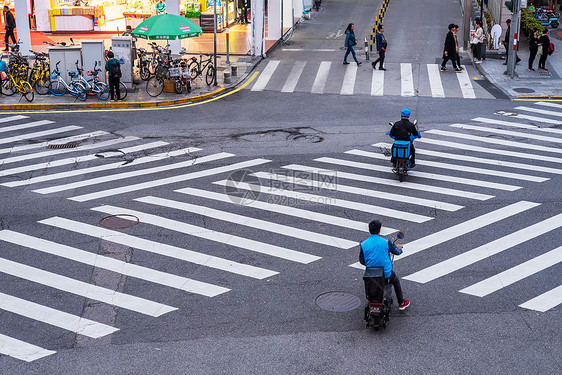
[
  {"x": 27, "y": 91},
  {"x": 41, "y": 86},
  {"x": 8, "y": 87},
  {"x": 178, "y": 86},
  {"x": 91, "y": 89},
  {"x": 122, "y": 91},
  {"x": 102, "y": 91},
  {"x": 144, "y": 73},
  {"x": 194, "y": 69},
  {"x": 210, "y": 76},
  {"x": 188, "y": 86},
  {"x": 154, "y": 86},
  {"x": 57, "y": 88},
  {"x": 78, "y": 90}
]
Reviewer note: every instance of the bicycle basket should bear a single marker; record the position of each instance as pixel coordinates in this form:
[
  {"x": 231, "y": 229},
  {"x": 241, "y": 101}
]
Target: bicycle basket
[
  {"x": 54, "y": 75},
  {"x": 174, "y": 72}
]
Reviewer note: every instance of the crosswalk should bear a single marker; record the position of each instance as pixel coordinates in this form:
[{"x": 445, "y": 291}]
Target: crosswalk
[
  {"x": 404, "y": 79},
  {"x": 300, "y": 208}
]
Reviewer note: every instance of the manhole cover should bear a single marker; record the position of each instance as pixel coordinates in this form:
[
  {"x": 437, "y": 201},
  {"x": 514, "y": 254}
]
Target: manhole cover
[
  {"x": 64, "y": 145},
  {"x": 119, "y": 221},
  {"x": 523, "y": 90},
  {"x": 338, "y": 301}
]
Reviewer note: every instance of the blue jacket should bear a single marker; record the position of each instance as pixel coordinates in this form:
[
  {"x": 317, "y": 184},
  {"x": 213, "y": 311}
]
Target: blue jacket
[
  {"x": 3, "y": 67},
  {"x": 375, "y": 253},
  {"x": 350, "y": 39},
  {"x": 380, "y": 39}
]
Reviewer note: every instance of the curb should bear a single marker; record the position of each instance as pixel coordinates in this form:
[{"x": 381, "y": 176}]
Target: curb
[{"x": 162, "y": 103}]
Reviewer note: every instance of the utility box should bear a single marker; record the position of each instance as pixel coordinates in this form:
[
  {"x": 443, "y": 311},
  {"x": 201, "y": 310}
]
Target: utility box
[
  {"x": 68, "y": 56},
  {"x": 93, "y": 52},
  {"x": 122, "y": 47}
]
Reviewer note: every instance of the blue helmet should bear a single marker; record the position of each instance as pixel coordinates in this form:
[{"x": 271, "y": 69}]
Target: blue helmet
[{"x": 405, "y": 112}]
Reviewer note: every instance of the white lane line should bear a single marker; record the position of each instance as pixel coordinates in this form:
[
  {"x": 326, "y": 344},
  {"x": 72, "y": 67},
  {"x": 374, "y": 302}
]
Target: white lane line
[
  {"x": 284, "y": 210},
  {"x": 309, "y": 49},
  {"x": 407, "y": 79},
  {"x": 75, "y": 160},
  {"x": 458, "y": 167},
  {"x": 508, "y": 132},
  {"x": 132, "y": 174},
  {"x": 265, "y": 76},
  {"x": 268, "y": 226},
  {"x": 25, "y": 126},
  {"x": 531, "y": 118},
  {"x": 377, "y": 83},
  {"x": 545, "y": 301},
  {"x": 485, "y": 150},
  {"x": 321, "y": 77},
  {"x": 540, "y": 111},
  {"x": 435, "y": 81},
  {"x": 44, "y": 154},
  {"x": 360, "y": 191},
  {"x": 429, "y": 176},
  {"x": 38, "y": 134},
  {"x": 517, "y": 125},
  {"x": 549, "y": 104},
  {"x": 12, "y": 118},
  {"x": 515, "y": 274},
  {"x": 294, "y": 77},
  {"x": 348, "y": 85},
  {"x": 485, "y": 251},
  {"x": 495, "y": 141},
  {"x": 463, "y": 228},
  {"x": 466, "y": 85},
  {"x": 372, "y": 209},
  {"x": 58, "y": 141},
  {"x": 159, "y": 248},
  {"x": 22, "y": 350},
  {"x": 66, "y": 284},
  {"x": 115, "y": 265},
  {"x": 57, "y": 318},
  {"x": 395, "y": 183},
  {"x": 169, "y": 180},
  {"x": 99, "y": 168},
  {"x": 211, "y": 235}
]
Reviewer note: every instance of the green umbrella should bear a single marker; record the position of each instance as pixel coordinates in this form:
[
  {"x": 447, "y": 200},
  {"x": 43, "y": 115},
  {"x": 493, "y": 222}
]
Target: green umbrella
[{"x": 167, "y": 26}]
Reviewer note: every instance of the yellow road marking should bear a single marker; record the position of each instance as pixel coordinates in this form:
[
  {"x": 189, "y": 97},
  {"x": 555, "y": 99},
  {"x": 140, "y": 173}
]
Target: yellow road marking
[{"x": 141, "y": 108}]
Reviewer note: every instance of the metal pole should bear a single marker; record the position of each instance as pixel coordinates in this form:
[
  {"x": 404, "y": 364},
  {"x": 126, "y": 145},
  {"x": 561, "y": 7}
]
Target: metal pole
[
  {"x": 215, "y": 42},
  {"x": 366, "y": 49},
  {"x": 466, "y": 23},
  {"x": 227, "y": 41},
  {"x": 513, "y": 36}
]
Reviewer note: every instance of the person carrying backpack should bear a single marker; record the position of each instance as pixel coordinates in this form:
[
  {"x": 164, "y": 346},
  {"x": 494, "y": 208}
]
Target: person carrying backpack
[{"x": 113, "y": 69}]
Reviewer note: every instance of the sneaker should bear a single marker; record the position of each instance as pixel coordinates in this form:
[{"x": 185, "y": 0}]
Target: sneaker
[
  {"x": 345, "y": 63},
  {"x": 478, "y": 62},
  {"x": 443, "y": 69},
  {"x": 531, "y": 69},
  {"x": 404, "y": 305},
  {"x": 461, "y": 68},
  {"x": 373, "y": 65},
  {"x": 458, "y": 70},
  {"x": 382, "y": 69},
  {"x": 359, "y": 62}
]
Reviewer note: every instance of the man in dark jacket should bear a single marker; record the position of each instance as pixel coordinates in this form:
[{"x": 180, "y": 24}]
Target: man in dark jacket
[
  {"x": 507, "y": 44},
  {"x": 450, "y": 50},
  {"x": 380, "y": 42},
  {"x": 401, "y": 131},
  {"x": 113, "y": 75},
  {"x": 10, "y": 26}
]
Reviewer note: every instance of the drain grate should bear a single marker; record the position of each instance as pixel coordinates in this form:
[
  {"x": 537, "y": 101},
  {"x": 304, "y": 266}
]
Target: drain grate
[
  {"x": 338, "y": 301},
  {"x": 64, "y": 145},
  {"x": 120, "y": 221}
]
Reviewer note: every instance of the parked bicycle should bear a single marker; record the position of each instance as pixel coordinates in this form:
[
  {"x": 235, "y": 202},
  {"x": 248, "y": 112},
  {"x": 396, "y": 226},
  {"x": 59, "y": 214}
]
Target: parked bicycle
[
  {"x": 39, "y": 76},
  {"x": 183, "y": 78},
  {"x": 16, "y": 83},
  {"x": 59, "y": 87},
  {"x": 93, "y": 86},
  {"x": 197, "y": 67}
]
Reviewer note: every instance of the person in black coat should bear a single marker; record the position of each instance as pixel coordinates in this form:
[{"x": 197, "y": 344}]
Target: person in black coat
[
  {"x": 533, "y": 47},
  {"x": 544, "y": 40},
  {"x": 507, "y": 44},
  {"x": 10, "y": 26},
  {"x": 450, "y": 50}
]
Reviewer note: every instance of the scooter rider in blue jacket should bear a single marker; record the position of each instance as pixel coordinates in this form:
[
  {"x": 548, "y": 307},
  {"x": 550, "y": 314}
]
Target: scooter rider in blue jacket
[
  {"x": 375, "y": 253},
  {"x": 401, "y": 131}
]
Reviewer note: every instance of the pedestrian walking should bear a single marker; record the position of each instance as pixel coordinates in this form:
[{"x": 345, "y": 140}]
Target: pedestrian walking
[
  {"x": 350, "y": 41},
  {"x": 507, "y": 44},
  {"x": 544, "y": 49},
  {"x": 533, "y": 47},
  {"x": 10, "y": 26},
  {"x": 113, "y": 68},
  {"x": 477, "y": 41},
  {"x": 458, "y": 57},
  {"x": 449, "y": 50},
  {"x": 381, "y": 44}
]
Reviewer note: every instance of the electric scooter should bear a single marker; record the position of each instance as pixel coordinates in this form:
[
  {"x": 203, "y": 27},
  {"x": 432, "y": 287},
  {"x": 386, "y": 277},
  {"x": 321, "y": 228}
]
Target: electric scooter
[{"x": 401, "y": 153}]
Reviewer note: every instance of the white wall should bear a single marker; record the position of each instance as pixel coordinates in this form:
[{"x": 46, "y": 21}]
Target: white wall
[{"x": 274, "y": 19}]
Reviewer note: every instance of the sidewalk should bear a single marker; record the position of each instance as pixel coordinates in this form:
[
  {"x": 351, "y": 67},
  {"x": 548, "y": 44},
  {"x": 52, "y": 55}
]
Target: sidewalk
[
  {"x": 527, "y": 84},
  {"x": 138, "y": 96}
]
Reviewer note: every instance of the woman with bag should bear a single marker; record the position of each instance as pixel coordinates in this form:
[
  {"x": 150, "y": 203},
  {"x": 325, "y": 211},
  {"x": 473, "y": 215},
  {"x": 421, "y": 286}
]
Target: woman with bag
[
  {"x": 477, "y": 41},
  {"x": 544, "y": 46},
  {"x": 350, "y": 41}
]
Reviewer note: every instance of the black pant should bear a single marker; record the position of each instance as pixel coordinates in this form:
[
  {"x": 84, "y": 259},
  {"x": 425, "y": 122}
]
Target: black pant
[
  {"x": 477, "y": 51},
  {"x": 447, "y": 58},
  {"x": 458, "y": 59},
  {"x": 113, "y": 86},
  {"x": 380, "y": 59},
  {"x": 395, "y": 281},
  {"x": 10, "y": 33},
  {"x": 533, "y": 54},
  {"x": 542, "y": 60}
]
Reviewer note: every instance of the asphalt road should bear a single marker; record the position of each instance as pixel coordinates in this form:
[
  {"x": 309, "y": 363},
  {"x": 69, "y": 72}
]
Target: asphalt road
[{"x": 257, "y": 312}]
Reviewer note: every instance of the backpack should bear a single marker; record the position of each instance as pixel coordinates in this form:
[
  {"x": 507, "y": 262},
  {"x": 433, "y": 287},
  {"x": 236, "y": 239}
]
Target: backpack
[
  {"x": 550, "y": 48},
  {"x": 116, "y": 71}
]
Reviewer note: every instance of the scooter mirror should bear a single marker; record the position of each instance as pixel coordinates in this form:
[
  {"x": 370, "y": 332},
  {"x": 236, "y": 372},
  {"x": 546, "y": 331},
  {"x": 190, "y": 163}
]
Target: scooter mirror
[
  {"x": 415, "y": 121},
  {"x": 390, "y": 123},
  {"x": 400, "y": 235}
]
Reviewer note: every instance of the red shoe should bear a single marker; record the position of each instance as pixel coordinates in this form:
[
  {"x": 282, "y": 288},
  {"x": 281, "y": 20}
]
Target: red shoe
[{"x": 404, "y": 305}]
